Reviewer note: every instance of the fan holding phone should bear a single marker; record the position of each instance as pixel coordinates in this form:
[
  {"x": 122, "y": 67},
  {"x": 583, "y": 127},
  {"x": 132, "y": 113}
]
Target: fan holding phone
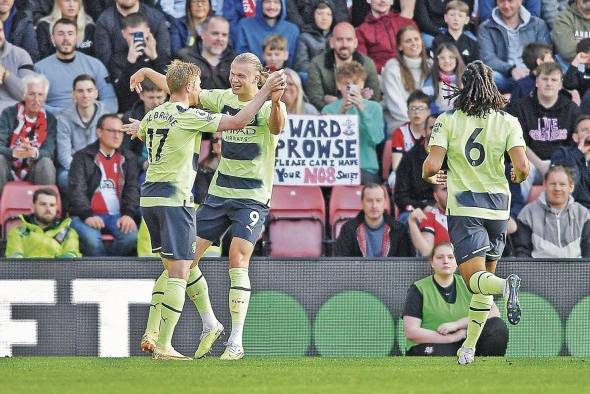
[{"x": 139, "y": 38}]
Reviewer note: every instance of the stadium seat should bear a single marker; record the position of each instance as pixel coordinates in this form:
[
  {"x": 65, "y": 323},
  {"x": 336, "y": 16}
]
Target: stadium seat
[
  {"x": 536, "y": 190},
  {"x": 386, "y": 160},
  {"x": 345, "y": 203},
  {"x": 17, "y": 199},
  {"x": 204, "y": 151},
  {"x": 296, "y": 222}
]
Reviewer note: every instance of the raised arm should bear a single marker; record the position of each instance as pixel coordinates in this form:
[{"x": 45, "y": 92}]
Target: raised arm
[
  {"x": 433, "y": 163},
  {"x": 158, "y": 79}
]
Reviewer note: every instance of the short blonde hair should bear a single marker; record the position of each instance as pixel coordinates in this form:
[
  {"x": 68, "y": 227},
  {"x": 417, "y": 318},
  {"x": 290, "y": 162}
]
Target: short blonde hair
[
  {"x": 179, "y": 74},
  {"x": 275, "y": 42},
  {"x": 252, "y": 59}
]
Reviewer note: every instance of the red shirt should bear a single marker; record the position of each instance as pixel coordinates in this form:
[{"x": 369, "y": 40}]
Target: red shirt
[
  {"x": 402, "y": 139},
  {"x": 436, "y": 224},
  {"x": 106, "y": 197}
]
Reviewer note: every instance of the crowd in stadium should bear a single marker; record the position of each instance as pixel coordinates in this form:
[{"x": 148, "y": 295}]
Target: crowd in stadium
[{"x": 64, "y": 96}]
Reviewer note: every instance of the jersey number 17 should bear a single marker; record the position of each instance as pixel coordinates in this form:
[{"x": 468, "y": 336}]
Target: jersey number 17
[{"x": 161, "y": 135}]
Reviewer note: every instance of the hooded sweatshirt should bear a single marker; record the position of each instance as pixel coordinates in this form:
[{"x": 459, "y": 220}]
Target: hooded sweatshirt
[
  {"x": 546, "y": 129},
  {"x": 569, "y": 28},
  {"x": 253, "y": 31},
  {"x": 312, "y": 41}
]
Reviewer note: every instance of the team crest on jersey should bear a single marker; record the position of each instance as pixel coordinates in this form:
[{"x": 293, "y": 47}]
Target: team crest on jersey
[
  {"x": 436, "y": 128},
  {"x": 204, "y": 114},
  {"x": 348, "y": 129}
]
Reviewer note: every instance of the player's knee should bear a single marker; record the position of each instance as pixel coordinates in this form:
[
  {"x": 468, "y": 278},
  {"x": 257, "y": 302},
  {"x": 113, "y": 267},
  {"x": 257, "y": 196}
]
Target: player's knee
[{"x": 494, "y": 338}]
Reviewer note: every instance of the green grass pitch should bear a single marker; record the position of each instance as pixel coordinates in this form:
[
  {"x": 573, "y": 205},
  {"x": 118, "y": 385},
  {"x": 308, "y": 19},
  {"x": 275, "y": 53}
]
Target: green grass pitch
[{"x": 294, "y": 375}]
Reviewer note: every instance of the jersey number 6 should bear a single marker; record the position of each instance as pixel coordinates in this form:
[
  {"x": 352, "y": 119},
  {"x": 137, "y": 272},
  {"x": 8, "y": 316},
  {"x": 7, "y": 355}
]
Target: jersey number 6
[{"x": 471, "y": 144}]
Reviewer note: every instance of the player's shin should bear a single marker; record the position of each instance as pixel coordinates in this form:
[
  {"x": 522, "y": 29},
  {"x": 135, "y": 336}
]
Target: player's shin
[
  {"x": 198, "y": 291},
  {"x": 172, "y": 304},
  {"x": 486, "y": 283},
  {"x": 239, "y": 298},
  {"x": 479, "y": 309},
  {"x": 153, "y": 322}
]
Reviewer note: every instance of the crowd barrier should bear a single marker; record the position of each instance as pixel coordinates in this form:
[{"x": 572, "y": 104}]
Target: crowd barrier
[{"x": 328, "y": 307}]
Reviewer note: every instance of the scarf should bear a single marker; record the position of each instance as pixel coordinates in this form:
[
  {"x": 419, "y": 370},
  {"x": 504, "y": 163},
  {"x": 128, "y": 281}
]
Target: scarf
[
  {"x": 36, "y": 134},
  {"x": 361, "y": 238}
]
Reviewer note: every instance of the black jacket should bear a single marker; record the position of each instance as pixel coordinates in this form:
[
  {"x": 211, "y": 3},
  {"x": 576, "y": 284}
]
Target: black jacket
[
  {"x": 580, "y": 80},
  {"x": 347, "y": 243},
  {"x": 546, "y": 129},
  {"x": 301, "y": 12},
  {"x": 572, "y": 157},
  {"x": 211, "y": 77},
  {"x": 410, "y": 188},
  {"x": 22, "y": 32},
  {"x": 85, "y": 176},
  {"x": 467, "y": 46},
  {"x": 429, "y": 15},
  {"x": 135, "y": 145}
]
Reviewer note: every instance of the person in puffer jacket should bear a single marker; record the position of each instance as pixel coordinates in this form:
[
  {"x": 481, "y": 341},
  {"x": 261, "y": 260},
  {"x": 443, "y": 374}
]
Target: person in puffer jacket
[
  {"x": 41, "y": 234},
  {"x": 554, "y": 226}
]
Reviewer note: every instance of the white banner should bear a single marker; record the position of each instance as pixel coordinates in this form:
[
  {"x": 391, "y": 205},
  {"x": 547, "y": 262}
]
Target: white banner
[{"x": 319, "y": 150}]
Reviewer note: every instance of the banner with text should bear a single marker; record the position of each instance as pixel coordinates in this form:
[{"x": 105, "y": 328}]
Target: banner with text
[{"x": 319, "y": 150}]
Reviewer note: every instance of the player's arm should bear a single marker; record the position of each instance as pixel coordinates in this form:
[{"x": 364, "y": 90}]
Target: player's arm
[
  {"x": 520, "y": 164},
  {"x": 431, "y": 169},
  {"x": 275, "y": 81},
  {"x": 541, "y": 165},
  {"x": 158, "y": 79},
  {"x": 276, "y": 120}
]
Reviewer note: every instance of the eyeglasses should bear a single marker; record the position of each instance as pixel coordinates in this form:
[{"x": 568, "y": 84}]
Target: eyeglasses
[{"x": 417, "y": 109}]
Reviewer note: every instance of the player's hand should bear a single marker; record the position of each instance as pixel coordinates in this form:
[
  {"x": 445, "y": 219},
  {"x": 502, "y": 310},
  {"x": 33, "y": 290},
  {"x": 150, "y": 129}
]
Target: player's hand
[
  {"x": 131, "y": 128},
  {"x": 417, "y": 215},
  {"x": 94, "y": 222},
  {"x": 276, "y": 80},
  {"x": 440, "y": 178},
  {"x": 136, "y": 80},
  {"x": 367, "y": 93},
  {"x": 513, "y": 177},
  {"x": 276, "y": 95},
  {"x": 126, "y": 224},
  {"x": 446, "y": 328}
]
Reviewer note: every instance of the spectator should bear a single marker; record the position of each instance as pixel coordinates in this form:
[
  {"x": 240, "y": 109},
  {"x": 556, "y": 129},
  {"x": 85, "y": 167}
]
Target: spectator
[
  {"x": 405, "y": 73},
  {"x": 577, "y": 75},
  {"x": 373, "y": 232},
  {"x": 15, "y": 64},
  {"x": 41, "y": 234},
  {"x": 503, "y": 37},
  {"x": 121, "y": 46},
  {"x": 554, "y": 226},
  {"x": 294, "y": 96},
  {"x": 74, "y": 11},
  {"x": 411, "y": 191},
  {"x": 185, "y": 32},
  {"x": 377, "y": 35},
  {"x": 430, "y": 18},
  {"x": 150, "y": 97},
  {"x": 321, "y": 86},
  {"x": 435, "y": 313},
  {"x": 314, "y": 38},
  {"x": 27, "y": 137},
  {"x": 547, "y": 119},
  {"x": 76, "y": 125},
  {"x": 429, "y": 228},
  {"x": 360, "y": 9},
  {"x": 18, "y": 28},
  {"x": 275, "y": 52},
  {"x": 485, "y": 8},
  {"x": 550, "y": 9},
  {"x": 66, "y": 64},
  {"x": 571, "y": 26},
  {"x": 350, "y": 80},
  {"x": 447, "y": 70},
  {"x": 234, "y": 11},
  {"x": 104, "y": 192},
  {"x": 207, "y": 167},
  {"x": 406, "y": 136},
  {"x": 457, "y": 18},
  {"x": 533, "y": 55},
  {"x": 302, "y": 12},
  {"x": 576, "y": 158},
  {"x": 95, "y": 8},
  {"x": 270, "y": 19},
  {"x": 211, "y": 53}
]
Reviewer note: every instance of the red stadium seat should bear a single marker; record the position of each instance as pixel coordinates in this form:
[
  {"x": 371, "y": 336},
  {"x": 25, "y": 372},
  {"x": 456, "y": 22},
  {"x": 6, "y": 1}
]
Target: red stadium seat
[
  {"x": 534, "y": 193},
  {"x": 17, "y": 199},
  {"x": 296, "y": 222},
  {"x": 345, "y": 203},
  {"x": 386, "y": 161}
]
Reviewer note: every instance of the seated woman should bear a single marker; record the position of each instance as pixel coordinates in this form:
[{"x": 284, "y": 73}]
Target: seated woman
[
  {"x": 435, "y": 313},
  {"x": 187, "y": 30},
  {"x": 294, "y": 96},
  {"x": 73, "y": 10}
]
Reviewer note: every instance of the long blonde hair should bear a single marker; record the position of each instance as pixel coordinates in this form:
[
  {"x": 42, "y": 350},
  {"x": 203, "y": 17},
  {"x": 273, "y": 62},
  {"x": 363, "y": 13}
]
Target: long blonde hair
[
  {"x": 252, "y": 59},
  {"x": 299, "y": 107},
  {"x": 82, "y": 20}
]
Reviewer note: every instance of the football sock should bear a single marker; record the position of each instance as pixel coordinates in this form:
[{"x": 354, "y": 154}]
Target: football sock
[
  {"x": 153, "y": 322},
  {"x": 486, "y": 283},
  {"x": 479, "y": 309},
  {"x": 239, "y": 297},
  {"x": 198, "y": 292},
  {"x": 172, "y": 304}
]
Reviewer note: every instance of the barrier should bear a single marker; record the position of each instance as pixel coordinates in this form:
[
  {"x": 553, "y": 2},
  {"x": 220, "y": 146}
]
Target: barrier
[{"x": 328, "y": 307}]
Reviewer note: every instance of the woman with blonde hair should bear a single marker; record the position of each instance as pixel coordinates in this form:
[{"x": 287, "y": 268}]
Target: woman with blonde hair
[
  {"x": 294, "y": 96},
  {"x": 69, "y": 9}
]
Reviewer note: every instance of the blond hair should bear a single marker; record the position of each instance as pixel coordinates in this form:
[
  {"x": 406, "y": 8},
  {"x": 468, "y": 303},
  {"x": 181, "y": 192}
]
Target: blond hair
[
  {"x": 299, "y": 107},
  {"x": 275, "y": 42},
  {"x": 253, "y": 60},
  {"x": 82, "y": 20},
  {"x": 179, "y": 74}
]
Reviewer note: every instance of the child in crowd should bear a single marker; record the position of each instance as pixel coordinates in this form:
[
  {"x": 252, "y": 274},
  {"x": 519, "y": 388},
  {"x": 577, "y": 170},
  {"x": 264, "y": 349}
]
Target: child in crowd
[
  {"x": 577, "y": 75},
  {"x": 275, "y": 52},
  {"x": 457, "y": 17},
  {"x": 533, "y": 55},
  {"x": 447, "y": 69}
]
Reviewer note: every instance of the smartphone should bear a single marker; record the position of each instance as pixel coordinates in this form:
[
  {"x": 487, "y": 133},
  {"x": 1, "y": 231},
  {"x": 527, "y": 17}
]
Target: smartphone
[{"x": 139, "y": 37}]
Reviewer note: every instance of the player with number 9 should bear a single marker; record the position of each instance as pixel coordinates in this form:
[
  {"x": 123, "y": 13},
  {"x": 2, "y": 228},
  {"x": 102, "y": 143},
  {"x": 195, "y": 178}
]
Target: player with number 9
[{"x": 474, "y": 138}]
